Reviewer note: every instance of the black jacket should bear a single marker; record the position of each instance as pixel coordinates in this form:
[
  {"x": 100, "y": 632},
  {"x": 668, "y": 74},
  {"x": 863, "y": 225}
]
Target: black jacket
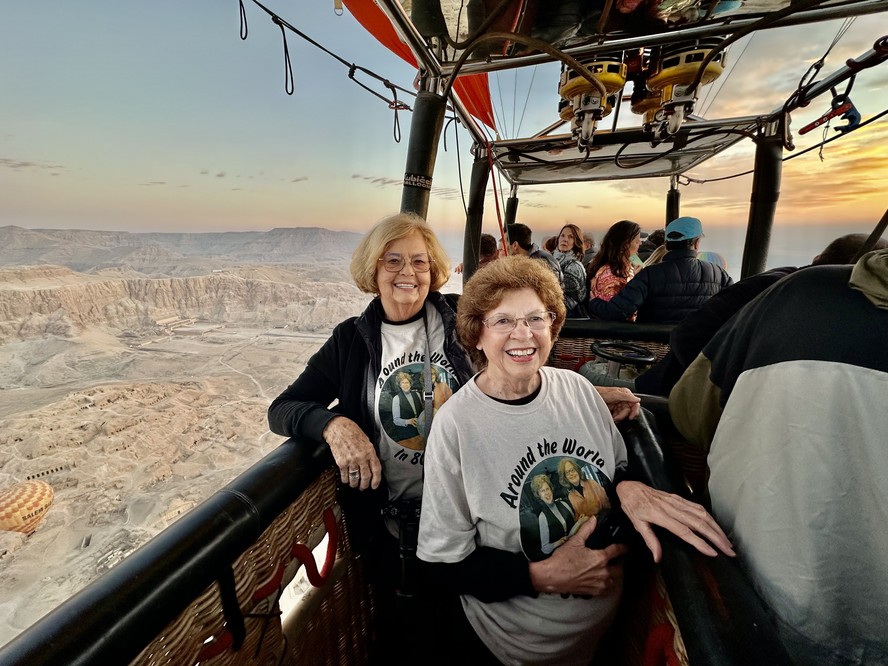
[
  {"x": 665, "y": 293},
  {"x": 345, "y": 369},
  {"x": 688, "y": 339},
  {"x": 691, "y": 335}
]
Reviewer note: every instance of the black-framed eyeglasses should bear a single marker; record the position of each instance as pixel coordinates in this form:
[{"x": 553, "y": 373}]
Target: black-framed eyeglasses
[
  {"x": 504, "y": 323},
  {"x": 394, "y": 262}
]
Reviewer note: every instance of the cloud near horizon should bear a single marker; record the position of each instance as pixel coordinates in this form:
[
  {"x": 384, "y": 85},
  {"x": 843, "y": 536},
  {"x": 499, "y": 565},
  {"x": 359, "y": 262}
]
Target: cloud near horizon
[
  {"x": 22, "y": 165},
  {"x": 380, "y": 181},
  {"x": 442, "y": 193}
]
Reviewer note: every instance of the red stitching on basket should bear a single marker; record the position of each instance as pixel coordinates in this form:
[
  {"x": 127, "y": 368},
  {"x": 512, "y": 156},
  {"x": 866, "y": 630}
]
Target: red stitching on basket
[
  {"x": 576, "y": 362},
  {"x": 300, "y": 550},
  {"x": 659, "y": 648},
  {"x": 216, "y": 647},
  {"x": 271, "y": 586}
]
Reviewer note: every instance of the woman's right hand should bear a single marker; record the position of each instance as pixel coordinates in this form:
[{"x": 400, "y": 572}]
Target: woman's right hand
[
  {"x": 353, "y": 451},
  {"x": 575, "y": 569}
]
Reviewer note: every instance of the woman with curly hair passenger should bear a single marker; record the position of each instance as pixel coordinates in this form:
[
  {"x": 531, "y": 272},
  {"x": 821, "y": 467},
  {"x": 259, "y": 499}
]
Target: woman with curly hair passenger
[{"x": 516, "y": 419}]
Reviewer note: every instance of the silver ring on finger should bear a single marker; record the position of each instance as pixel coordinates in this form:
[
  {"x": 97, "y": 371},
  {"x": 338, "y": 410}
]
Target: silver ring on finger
[{"x": 354, "y": 474}]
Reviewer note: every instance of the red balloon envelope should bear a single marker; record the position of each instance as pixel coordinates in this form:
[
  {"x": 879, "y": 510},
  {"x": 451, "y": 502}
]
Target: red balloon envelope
[{"x": 24, "y": 506}]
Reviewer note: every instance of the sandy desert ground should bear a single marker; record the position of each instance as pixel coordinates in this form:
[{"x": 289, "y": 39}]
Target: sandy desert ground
[
  {"x": 136, "y": 398},
  {"x": 132, "y": 427},
  {"x": 126, "y": 458}
]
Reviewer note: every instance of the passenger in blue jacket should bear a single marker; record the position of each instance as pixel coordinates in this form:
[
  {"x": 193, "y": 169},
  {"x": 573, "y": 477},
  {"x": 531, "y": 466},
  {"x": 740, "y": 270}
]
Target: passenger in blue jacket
[{"x": 667, "y": 292}]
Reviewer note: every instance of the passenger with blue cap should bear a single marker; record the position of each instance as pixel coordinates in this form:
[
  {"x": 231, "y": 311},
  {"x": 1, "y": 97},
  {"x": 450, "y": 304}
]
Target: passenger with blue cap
[
  {"x": 684, "y": 228},
  {"x": 667, "y": 292}
]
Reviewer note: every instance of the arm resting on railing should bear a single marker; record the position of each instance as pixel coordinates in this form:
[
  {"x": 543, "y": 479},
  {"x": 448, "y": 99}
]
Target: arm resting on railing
[{"x": 722, "y": 619}]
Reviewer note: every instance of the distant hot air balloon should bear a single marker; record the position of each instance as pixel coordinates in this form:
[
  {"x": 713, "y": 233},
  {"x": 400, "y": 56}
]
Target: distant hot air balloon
[
  {"x": 23, "y": 506},
  {"x": 713, "y": 258}
]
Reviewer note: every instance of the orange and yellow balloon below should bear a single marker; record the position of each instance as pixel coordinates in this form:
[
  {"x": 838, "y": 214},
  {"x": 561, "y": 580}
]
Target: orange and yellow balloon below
[{"x": 24, "y": 506}]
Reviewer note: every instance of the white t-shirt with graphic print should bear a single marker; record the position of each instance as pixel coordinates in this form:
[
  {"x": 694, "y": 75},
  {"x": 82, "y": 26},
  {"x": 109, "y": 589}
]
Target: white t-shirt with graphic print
[
  {"x": 481, "y": 460},
  {"x": 399, "y": 396}
]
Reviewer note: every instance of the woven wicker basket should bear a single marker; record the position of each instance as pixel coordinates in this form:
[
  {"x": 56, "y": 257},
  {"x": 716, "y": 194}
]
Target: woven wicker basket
[
  {"x": 645, "y": 631},
  {"x": 336, "y": 625},
  {"x": 571, "y": 353}
]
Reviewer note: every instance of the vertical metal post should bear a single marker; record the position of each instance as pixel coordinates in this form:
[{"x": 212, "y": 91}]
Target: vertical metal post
[
  {"x": 510, "y": 214},
  {"x": 475, "y": 212},
  {"x": 673, "y": 200},
  {"x": 511, "y": 206},
  {"x": 767, "y": 172},
  {"x": 425, "y": 131}
]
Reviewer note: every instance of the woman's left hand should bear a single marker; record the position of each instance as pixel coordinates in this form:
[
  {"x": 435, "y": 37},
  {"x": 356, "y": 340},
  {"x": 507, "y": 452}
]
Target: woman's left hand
[
  {"x": 622, "y": 403},
  {"x": 646, "y": 507},
  {"x": 575, "y": 569}
]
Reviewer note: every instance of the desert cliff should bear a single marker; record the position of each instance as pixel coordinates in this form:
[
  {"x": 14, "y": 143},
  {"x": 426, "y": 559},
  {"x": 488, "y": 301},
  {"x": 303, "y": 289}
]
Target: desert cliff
[{"x": 53, "y": 300}]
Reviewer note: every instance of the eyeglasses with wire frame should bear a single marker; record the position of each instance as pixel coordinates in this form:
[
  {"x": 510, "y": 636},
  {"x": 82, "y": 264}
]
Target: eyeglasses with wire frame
[
  {"x": 503, "y": 323},
  {"x": 394, "y": 262}
]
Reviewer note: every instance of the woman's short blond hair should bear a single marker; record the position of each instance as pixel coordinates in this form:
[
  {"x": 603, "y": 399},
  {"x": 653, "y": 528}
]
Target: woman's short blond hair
[
  {"x": 487, "y": 288},
  {"x": 365, "y": 258},
  {"x": 537, "y": 483}
]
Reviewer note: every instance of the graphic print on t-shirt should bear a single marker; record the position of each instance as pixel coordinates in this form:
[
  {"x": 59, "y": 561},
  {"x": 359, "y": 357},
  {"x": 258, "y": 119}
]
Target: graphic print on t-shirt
[
  {"x": 558, "y": 495},
  {"x": 401, "y": 406},
  {"x": 401, "y": 403}
]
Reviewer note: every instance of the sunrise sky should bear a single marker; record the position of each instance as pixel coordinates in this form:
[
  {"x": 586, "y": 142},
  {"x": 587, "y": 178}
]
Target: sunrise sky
[{"x": 158, "y": 117}]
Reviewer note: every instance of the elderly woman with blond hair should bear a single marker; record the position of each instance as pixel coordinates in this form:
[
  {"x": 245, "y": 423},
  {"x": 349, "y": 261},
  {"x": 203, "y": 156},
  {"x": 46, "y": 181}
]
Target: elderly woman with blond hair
[
  {"x": 407, "y": 330},
  {"x": 512, "y": 421}
]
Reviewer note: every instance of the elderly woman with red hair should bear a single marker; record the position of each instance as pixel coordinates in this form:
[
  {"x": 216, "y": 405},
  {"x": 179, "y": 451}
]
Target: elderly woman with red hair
[{"x": 479, "y": 532}]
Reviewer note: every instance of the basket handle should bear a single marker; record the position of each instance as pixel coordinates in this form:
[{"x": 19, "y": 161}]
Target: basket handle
[{"x": 300, "y": 550}]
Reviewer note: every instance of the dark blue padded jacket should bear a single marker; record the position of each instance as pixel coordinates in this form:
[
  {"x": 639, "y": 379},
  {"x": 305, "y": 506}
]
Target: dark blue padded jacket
[{"x": 665, "y": 293}]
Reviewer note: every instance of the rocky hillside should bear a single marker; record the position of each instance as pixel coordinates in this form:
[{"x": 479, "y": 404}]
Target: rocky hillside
[
  {"x": 171, "y": 253},
  {"x": 54, "y": 300}
]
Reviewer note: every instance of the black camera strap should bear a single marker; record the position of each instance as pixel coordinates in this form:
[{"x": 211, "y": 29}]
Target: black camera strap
[{"x": 428, "y": 387}]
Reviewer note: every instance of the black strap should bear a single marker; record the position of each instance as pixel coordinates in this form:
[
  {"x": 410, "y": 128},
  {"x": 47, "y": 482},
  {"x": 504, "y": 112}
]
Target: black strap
[
  {"x": 234, "y": 619},
  {"x": 428, "y": 392}
]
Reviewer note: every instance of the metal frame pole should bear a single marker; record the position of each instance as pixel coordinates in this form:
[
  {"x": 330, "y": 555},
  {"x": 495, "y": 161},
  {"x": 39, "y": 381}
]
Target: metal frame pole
[
  {"x": 673, "y": 200},
  {"x": 422, "y": 149},
  {"x": 767, "y": 172},
  {"x": 511, "y": 206},
  {"x": 475, "y": 212}
]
